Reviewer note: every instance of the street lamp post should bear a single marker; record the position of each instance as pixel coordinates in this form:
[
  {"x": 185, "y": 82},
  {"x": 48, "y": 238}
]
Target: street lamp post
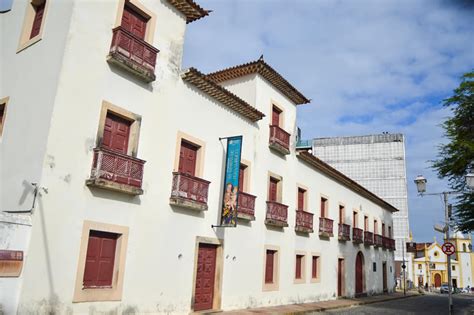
[{"x": 420, "y": 182}]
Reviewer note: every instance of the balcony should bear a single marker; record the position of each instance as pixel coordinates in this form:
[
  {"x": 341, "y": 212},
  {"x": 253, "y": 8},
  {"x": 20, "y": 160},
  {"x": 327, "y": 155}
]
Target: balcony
[
  {"x": 357, "y": 235},
  {"x": 246, "y": 206},
  {"x": 277, "y": 214},
  {"x": 386, "y": 243},
  {"x": 133, "y": 54},
  {"x": 116, "y": 171},
  {"x": 279, "y": 140},
  {"x": 304, "y": 221},
  {"x": 326, "y": 227},
  {"x": 368, "y": 238},
  {"x": 189, "y": 192},
  {"x": 378, "y": 240},
  {"x": 392, "y": 244},
  {"x": 344, "y": 233}
]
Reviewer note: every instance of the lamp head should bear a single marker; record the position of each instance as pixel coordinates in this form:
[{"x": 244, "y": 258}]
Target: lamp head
[{"x": 420, "y": 182}]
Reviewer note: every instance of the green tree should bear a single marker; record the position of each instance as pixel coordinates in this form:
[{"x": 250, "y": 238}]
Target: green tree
[{"x": 456, "y": 157}]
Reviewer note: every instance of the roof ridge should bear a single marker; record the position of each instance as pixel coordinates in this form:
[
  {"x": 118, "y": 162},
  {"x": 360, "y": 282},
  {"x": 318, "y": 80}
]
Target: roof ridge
[{"x": 262, "y": 68}]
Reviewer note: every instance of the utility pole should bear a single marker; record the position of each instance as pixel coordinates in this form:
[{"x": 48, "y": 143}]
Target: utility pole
[
  {"x": 447, "y": 218},
  {"x": 404, "y": 267}
]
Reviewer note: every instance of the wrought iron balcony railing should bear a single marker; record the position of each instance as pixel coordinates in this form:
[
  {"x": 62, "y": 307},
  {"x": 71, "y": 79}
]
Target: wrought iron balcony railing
[
  {"x": 277, "y": 214},
  {"x": 279, "y": 139},
  {"x": 304, "y": 221},
  {"x": 116, "y": 171},
  {"x": 326, "y": 227},
  {"x": 133, "y": 54},
  {"x": 344, "y": 233},
  {"x": 246, "y": 206},
  {"x": 357, "y": 235},
  {"x": 189, "y": 191},
  {"x": 368, "y": 238},
  {"x": 378, "y": 240}
]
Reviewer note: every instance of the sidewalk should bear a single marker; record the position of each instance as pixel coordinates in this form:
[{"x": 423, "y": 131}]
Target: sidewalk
[{"x": 323, "y": 306}]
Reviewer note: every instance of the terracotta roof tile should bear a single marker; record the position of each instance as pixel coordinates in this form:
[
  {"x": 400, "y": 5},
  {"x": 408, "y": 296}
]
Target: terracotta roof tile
[
  {"x": 221, "y": 94},
  {"x": 263, "y": 69},
  {"x": 190, "y": 9},
  {"x": 343, "y": 179}
]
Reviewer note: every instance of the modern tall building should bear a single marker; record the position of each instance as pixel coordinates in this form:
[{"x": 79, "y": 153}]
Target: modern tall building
[{"x": 377, "y": 162}]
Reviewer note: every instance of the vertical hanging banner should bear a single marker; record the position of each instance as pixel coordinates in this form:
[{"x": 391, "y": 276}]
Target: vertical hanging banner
[{"x": 231, "y": 182}]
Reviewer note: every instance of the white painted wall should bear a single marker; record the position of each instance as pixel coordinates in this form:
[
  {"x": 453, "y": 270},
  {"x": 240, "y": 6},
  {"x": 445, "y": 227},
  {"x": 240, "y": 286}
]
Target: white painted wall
[{"x": 156, "y": 280}]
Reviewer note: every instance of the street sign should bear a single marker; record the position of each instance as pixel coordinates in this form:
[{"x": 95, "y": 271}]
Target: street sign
[{"x": 448, "y": 248}]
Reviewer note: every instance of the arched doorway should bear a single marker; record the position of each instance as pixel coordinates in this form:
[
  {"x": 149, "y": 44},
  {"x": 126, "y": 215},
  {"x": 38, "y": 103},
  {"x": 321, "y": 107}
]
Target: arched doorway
[
  {"x": 437, "y": 280},
  {"x": 359, "y": 274}
]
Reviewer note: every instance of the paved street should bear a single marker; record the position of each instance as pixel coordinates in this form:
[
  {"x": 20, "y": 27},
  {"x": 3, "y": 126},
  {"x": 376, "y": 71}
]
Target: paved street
[{"x": 427, "y": 304}]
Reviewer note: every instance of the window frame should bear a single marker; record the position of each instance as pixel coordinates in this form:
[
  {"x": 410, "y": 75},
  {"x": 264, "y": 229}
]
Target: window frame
[
  {"x": 201, "y": 145},
  {"x": 3, "y": 101},
  {"x": 113, "y": 293},
  {"x": 135, "y": 126},
  {"x": 142, "y": 10},
  {"x": 302, "y": 278},
  {"x": 318, "y": 267},
  {"x": 279, "y": 197},
  {"x": 26, "y": 40},
  {"x": 273, "y": 286}
]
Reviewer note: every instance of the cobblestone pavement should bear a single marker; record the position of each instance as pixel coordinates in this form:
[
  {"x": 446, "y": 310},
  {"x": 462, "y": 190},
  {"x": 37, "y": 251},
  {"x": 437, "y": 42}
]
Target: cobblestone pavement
[{"x": 432, "y": 304}]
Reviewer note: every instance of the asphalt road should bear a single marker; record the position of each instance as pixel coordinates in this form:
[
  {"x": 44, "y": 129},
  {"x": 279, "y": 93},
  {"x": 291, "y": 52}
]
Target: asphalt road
[{"x": 427, "y": 304}]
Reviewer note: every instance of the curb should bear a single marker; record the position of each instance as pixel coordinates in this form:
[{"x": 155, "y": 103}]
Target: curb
[{"x": 355, "y": 303}]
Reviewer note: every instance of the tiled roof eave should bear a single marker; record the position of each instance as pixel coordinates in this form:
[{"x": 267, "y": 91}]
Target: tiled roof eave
[
  {"x": 222, "y": 95},
  {"x": 267, "y": 72},
  {"x": 191, "y": 10},
  {"x": 343, "y": 179}
]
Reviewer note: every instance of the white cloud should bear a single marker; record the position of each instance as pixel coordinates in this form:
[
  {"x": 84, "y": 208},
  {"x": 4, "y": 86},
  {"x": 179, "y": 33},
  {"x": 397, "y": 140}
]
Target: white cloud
[{"x": 393, "y": 60}]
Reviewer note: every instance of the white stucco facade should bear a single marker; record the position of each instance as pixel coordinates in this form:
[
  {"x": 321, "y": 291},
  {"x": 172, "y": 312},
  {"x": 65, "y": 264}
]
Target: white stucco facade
[{"x": 49, "y": 135}]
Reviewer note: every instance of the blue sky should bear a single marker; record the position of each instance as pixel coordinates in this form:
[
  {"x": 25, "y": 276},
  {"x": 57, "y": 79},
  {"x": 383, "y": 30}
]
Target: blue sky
[{"x": 368, "y": 66}]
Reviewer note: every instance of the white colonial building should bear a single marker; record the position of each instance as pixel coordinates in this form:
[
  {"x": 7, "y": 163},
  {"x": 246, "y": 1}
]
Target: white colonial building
[{"x": 125, "y": 154}]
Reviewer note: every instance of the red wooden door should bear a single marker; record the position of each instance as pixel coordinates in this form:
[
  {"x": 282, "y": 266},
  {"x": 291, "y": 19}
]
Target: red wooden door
[
  {"x": 272, "y": 193},
  {"x": 205, "y": 277},
  {"x": 340, "y": 268},
  {"x": 38, "y": 19},
  {"x": 276, "y": 116},
  {"x": 269, "y": 261},
  {"x": 300, "y": 199},
  {"x": 341, "y": 214},
  {"x": 383, "y": 229},
  {"x": 384, "y": 276},
  {"x": 241, "y": 177},
  {"x": 116, "y": 133},
  {"x": 437, "y": 281},
  {"x": 359, "y": 274},
  {"x": 187, "y": 158},
  {"x": 100, "y": 259},
  {"x": 134, "y": 22},
  {"x": 323, "y": 207}
]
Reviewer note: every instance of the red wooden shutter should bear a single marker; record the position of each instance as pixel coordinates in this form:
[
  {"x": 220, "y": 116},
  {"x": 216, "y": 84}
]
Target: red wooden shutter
[
  {"x": 383, "y": 229},
  {"x": 366, "y": 223},
  {"x": 341, "y": 214},
  {"x": 354, "y": 219},
  {"x": 187, "y": 158},
  {"x": 314, "y": 267},
  {"x": 299, "y": 259},
  {"x": 116, "y": 133},
  {"x": 241, "y": 177},
  {"x": 276, "y": 116},
  {"x": 39, "y": 12},
  {"x": 301, "y": 199},
  {"x": 323, "y": 208},
  {"x": 272, "y": 193},
  {"x": 269, "y": 261},
  {"x": 100, "y": 258},
  {"x": 134, "y": 22}
]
